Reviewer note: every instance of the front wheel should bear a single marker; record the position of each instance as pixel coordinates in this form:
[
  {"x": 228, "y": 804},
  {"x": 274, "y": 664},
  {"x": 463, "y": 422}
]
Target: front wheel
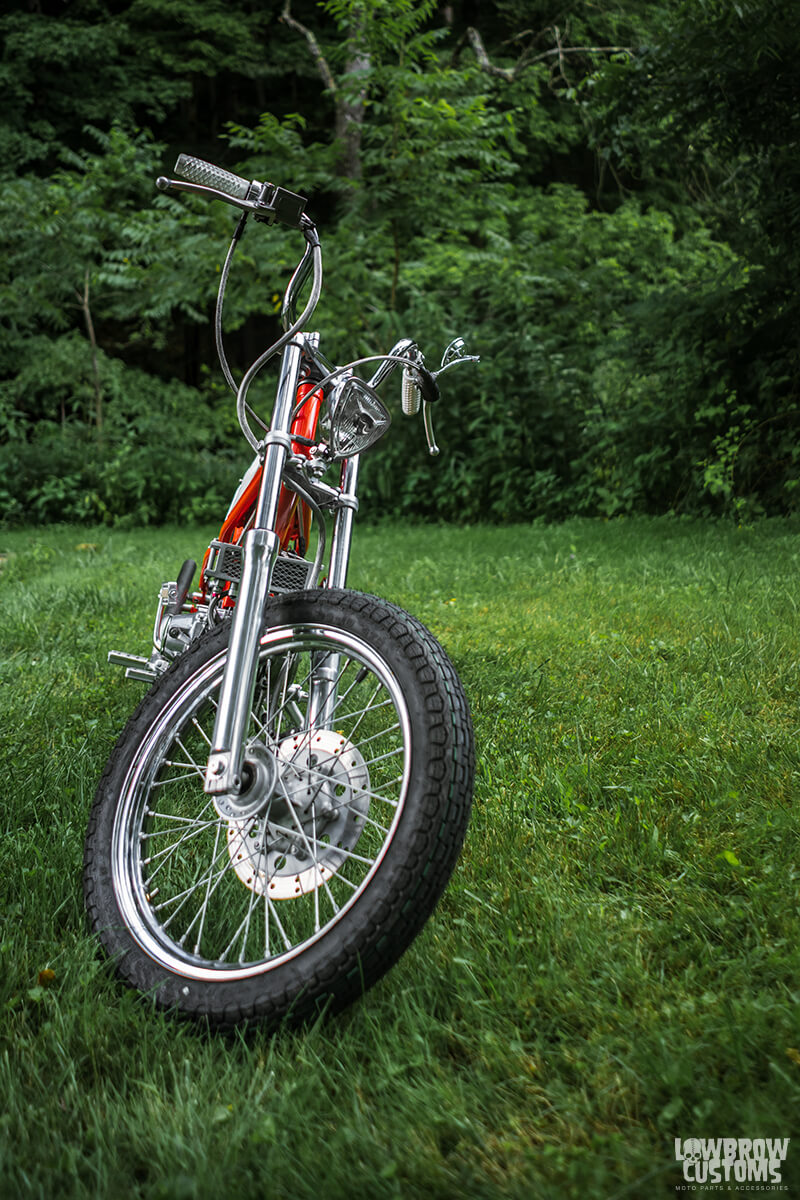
[{"x": 357, "y": 788}]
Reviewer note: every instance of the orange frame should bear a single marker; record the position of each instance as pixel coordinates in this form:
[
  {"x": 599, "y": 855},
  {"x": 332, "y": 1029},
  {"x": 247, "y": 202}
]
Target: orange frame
[{"x": 293, "y": 523}]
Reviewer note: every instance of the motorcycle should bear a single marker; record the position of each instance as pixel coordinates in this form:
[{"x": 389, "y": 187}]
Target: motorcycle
[{"x": 285, "y": 806}]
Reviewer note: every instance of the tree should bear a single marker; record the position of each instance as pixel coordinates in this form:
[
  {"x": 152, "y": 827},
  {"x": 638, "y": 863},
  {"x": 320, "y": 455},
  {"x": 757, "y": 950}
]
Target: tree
[
  {"x": 135, "y": 63},
  {"x": 711, "y": 114},
  {"x": 603, "y": 198}
]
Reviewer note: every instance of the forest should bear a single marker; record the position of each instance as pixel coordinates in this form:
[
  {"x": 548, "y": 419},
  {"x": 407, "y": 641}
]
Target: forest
[{"x": 603, "y": 199}]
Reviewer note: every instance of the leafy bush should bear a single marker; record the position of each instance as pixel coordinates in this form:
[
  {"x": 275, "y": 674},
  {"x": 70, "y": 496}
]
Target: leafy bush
[
  {"x": 611, "y": 348},
  {"x": 160, "y": 458},
  {"x": 638, "y": 344}
]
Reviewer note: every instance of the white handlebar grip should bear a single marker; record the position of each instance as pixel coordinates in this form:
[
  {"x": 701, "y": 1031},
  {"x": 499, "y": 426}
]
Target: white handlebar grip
[
  {"x": 196, "y": 170},
  {"x": 411, "y": 396}
]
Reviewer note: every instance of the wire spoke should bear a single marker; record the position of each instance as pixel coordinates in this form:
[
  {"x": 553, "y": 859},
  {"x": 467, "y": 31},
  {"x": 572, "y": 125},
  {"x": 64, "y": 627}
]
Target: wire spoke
[
  {"x": 370, "y": 707},
  {"x": 316, "y": 889},
  {"x": 360, "y": 712},
  {"x": 166, "y": 854},
  {"x": 201, "y": 731},
  {"x": 204, "y": 905},
  {"x": 381, "y": 733},
  {"x": 216, "y": 893},
  {"x": 211, "y": 887},
  {"x": 196, "y": 766},
  {"x": 302, "y": 832},
  {"x": 275, "y": 714},
  {"x": 370, "y": 762},
  {"x": 324, "y": 778},
  {"x": 188, "y": 892},
  {"x": 375, "y": 824},
  {"x": 186, "y": 835},
  {"x": 271, "y": 908},
  {"x": 323, "y": 846},
  {"x": 152, "y": 812},
  {"x": 244, "y": 925}
]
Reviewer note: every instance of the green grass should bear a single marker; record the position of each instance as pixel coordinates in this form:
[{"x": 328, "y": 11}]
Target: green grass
[{"x": 614, "y": 964}]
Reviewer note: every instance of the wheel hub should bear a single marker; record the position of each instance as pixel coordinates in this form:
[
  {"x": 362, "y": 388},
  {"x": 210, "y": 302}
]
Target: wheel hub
[
  {"x": 260, "y": 772},
  {"x": 300, "y": 833}
]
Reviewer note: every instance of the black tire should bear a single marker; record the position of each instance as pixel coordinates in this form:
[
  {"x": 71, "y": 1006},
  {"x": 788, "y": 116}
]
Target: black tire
[{"x": 354, "y": 827}]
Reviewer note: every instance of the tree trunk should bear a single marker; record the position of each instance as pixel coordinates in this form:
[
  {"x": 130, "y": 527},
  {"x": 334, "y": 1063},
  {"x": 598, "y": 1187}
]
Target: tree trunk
[
  {"x": 350, "y": 107},
  {"x": 350, "y": 111}
]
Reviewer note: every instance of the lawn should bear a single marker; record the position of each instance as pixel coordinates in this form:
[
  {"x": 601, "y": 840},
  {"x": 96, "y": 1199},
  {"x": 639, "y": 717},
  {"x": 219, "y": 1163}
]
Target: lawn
[{"x": 613, "y": 966}]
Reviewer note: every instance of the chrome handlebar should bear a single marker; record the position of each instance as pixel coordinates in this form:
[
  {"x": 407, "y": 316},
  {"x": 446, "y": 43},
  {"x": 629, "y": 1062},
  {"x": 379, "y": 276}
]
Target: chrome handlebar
[{"x": 268, "y": 203}]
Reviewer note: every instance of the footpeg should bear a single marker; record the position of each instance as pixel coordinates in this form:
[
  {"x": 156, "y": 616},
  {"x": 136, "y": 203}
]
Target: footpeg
[{"x": 136, "y": 667}]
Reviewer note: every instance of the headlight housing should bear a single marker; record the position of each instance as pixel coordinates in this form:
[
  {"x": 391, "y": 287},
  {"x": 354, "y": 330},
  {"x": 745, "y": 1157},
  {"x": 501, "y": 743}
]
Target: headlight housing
[{"x": 358, "y": 417}]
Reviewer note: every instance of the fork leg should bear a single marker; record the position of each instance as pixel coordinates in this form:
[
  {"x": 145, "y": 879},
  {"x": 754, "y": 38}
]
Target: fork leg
[
  {"x": 223, "y": 773},
  {"x": 224, "y": 769}
]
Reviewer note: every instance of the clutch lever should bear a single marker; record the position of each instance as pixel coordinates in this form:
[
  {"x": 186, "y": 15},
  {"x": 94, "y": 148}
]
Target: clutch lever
[{"x": 428, "y": 388}]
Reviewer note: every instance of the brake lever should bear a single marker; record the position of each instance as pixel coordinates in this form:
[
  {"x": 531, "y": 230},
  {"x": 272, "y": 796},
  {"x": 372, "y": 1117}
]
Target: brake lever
[
  {"x": 427, "y": 418},
  {"x": 418, "y": 380},
  {"x": 453, "y": 355}
]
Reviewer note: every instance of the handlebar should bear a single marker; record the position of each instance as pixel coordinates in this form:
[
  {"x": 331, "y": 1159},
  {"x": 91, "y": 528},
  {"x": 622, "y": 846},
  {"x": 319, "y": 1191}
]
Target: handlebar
[
  {"x": 269, "y": 203},
  {"x": 209, "y": 175},
  {"x": 266, "y": 201}
]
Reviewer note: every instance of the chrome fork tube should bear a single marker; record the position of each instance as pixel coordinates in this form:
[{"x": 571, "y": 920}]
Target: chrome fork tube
[
  {"x": 224, "y": 769},
  {"x": 324, "y": 689},
  {"x": 343, "y": 529}
]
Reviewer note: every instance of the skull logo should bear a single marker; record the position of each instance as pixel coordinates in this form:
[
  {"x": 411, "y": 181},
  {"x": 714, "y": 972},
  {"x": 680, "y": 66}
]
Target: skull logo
[{"x": 692, "y": 1150}]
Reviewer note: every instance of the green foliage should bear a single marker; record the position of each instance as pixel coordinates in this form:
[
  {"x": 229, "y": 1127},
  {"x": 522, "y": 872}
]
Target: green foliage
[
  {"x": 384, "y": 26},
  {"x": 159, "y": 458},
  {"x": 614, "y": 230},
  {"x": 88, "y": 434},
  {"x": 96, "y": 63},
  {"x": 714, "y": 101},
  {"x": 593, "y": 392}
]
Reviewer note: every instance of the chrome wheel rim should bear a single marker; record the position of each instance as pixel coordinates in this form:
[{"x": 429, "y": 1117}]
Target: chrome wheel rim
[{"x": 210, "y": 896}]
